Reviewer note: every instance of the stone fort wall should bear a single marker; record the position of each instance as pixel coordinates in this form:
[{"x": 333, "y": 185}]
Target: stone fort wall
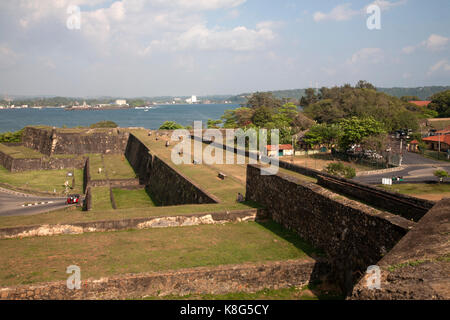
[
  {"x": 58, "y": 141},
  {"x": 168, "y": 186},
  {"x": 352, "y": 234}
]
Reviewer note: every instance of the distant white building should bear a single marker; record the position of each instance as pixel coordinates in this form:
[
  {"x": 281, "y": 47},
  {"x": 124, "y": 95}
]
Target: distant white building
[
  {"x": 191, "y": 100},
  {"x": 121, "y": 102}
]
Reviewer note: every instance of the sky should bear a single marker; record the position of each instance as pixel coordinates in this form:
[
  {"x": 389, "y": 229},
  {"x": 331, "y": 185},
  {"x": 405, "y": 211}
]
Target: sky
[{"x": 133, "y": 48}]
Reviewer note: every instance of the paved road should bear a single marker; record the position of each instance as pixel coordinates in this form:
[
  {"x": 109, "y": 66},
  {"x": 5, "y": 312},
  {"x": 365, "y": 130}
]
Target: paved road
[
  {"x": 417, "y": 169},
  {"x": 15, "y": 204}
]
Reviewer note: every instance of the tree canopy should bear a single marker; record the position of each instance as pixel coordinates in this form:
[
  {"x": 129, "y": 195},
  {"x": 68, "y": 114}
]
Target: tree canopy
[
  {"x": 363, "y": 101},
  {"x": 440, "y": 102},
  {"x": 170, "y": 125}
]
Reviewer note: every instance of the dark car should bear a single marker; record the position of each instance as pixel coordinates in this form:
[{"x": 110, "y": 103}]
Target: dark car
[{"x": 73, "y": 199}]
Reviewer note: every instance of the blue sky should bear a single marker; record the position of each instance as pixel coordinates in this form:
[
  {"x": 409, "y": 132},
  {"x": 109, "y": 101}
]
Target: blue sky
[{"x": 182, "y": 47}]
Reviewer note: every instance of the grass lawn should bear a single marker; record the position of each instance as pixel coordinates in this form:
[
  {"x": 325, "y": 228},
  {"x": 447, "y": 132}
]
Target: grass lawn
[
  {"x": 434, "y": 155},
  {"x": 118, "y": 167},
  {"x": 421, "y": 188},
  {"x": 101, "y": 199},
  {"x": 433, "y": 192},
  {"x": 43, "y": 259},
  {"x": 126, "y": 199},
  {"x": 95, "y": 162},
  {"x": 20, "y": 152},
  {"x": 44, "y": 180},
  {"x": 70, "y": 216},
  {"x": 309, "y": 292},
  {"x": 321, "y": 161}
]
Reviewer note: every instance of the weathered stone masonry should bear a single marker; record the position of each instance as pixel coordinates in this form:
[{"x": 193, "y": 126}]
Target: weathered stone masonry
[
  {"x": 168, "y": 186},
  {"x": 53, "y": 141},
  {"x": 352, "y": 234},
  {"x": 204, "y": 280}
]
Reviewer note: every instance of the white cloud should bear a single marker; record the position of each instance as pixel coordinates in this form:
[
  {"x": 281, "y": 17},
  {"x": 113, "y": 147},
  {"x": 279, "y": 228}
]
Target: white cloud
[
  {"x": 409, "y": 49},
  {"x": 367, "y": 55},
  {"x": 386, "y": 5},
  {"x": 344, "y": 12},
  {"x": 341, "y": 12},
  {"x": 434, "y": 42},
  {"x": 440, "y": 66},
  {"x": 8, "y": 57}
]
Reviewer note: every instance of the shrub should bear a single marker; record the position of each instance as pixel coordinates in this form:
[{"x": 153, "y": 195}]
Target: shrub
[
  {"x": 8, "y": 137},
  {"x": 104, "y": 124},
  {"x": 340, "y": 170}
]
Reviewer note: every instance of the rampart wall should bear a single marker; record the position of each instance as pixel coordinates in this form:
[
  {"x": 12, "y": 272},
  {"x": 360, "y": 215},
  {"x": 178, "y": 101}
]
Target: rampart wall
[
  {"x": 203, "y": 280},
  {"x": 352, "y": 234},
  {"x": 56, "y": 141},
  {"x": 168, "y": 186}
]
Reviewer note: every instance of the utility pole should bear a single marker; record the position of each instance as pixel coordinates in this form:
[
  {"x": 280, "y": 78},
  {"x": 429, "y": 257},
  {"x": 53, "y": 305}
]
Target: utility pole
[
  {"x": 439, "y": 152},
  {"x": 293, "y": 149},
  {"x": 401, "y": 151}
]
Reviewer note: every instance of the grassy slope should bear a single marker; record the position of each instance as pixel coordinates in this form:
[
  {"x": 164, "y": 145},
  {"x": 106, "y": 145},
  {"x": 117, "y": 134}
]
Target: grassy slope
[
  {"x": 42, "y": 259},
  {"x": 42, "y": 180},
  {"x": 127, "y": 199},
  {"x": 20, "y": 152}
]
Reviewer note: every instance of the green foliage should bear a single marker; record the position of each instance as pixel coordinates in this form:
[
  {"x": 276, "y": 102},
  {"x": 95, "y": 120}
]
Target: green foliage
[
  {"x": 10, "y": 137},
  {"x": 322, "y": 134},
  {"x": 171, "y": 125},
  {"x": 104, "y": 124},
  {"x": 339, "y": 103},
  {"x": 214, "y": 124},
  {"x": 262, "y": 116},
  {"x": 339, "y": 169},
  {"x": 263, "y": 99},
  {"x": 362, "y": 84},
  {"x": 354, "y": 130},
  {"x": 410, "y": 98},
  {"x": 441, "y": 174},
  {"x": 440, "y": 102}
]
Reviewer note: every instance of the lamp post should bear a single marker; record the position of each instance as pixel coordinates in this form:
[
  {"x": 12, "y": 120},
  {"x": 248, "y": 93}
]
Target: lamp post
[{"x": 439, "y": 150}]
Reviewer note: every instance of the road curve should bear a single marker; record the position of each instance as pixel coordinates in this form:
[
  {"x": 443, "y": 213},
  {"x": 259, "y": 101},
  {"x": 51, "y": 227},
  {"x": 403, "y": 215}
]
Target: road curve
[{"x": 18, "y": 204}]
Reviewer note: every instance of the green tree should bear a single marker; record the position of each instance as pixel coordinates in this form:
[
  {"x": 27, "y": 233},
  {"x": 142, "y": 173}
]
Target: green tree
[
  {"x": 441, "y": 174},
  {"x": 440, "y": 102},
  {"x": 214, "y": 124},
  {"x": 262, "y": 116},
  {"x": 323, "y": 134},
  {"x": 310, "y": 97},
  {"x": 354, "y": 130},
  {"x": 362, "y": 84},
  {"x": 104, "y": 124},
  {"x": 170, "y": 125},
  {"x": 263, "y": 99},
  {"x": 410, "y": 98}
]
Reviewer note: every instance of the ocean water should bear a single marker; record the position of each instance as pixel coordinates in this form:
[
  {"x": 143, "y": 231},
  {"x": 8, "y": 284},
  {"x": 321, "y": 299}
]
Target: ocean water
[{"x": 16, "y": 119}]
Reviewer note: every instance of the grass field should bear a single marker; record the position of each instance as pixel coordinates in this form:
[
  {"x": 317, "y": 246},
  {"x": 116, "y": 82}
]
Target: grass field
[
  {"x": 434, "y": 192},
  {"x": 442, "y": 156},
  {"x": 309, "y": 292},
  {"x": 96, "y": 162},
  {"x": 101, "y": 199},
  {"x": 43, "y": 180},
  {"x": 20, "y": 152},
  {"x": 42, "y": 259},
  {"x": 127, "y": 199},
  {"x": 118, "y": 167}
]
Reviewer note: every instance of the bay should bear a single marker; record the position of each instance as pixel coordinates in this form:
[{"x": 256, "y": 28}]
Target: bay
[{"x": 16, "y": 119}]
